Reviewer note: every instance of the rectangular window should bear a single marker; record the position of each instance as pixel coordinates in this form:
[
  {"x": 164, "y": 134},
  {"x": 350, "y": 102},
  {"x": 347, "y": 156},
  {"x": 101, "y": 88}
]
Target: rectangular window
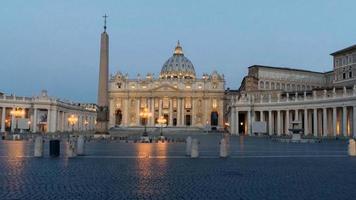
[
  {"x": 188, "y": 103},
  {"x": 344, "y": 75},
  {"x": 350, "y": 74},
  {"x": 165, "y": 103}
]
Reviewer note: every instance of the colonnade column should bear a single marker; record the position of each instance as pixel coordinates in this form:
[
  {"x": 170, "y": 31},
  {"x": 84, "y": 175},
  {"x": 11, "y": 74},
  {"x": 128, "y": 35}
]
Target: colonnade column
[
  {"x": 278, "y": 122},
  {"x": 262, "y": 116},
  {"x": 354, "y": 122},
  {"x": 49, "y": 119},
  {"x": 13, "y": 121},
  {"x": 325, "y": 122},
  {"x": 306, "y": 128},
  {"x": 287, "y": 122},
  {"x": 270, "y": 122},
  {"x": 315, "y": 122},
  {"x": 236, "y": 122},
  {"x": 233, "y": 120},
  {"x": 63, "y": 122},
  {"x": 249, "y": 122},
  {"x": 3, "y": 112},
  {"x": 54, "y": 119},
  {"x": 344, "y": 121},
  {"x": 334, "y": 121}
]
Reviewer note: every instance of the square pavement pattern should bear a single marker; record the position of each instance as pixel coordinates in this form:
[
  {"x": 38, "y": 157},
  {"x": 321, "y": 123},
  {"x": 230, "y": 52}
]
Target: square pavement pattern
[{"x": 258, "y": 168}]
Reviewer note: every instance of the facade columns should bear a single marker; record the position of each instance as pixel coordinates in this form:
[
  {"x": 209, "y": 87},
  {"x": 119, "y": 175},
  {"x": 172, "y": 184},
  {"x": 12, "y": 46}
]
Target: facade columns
[
  {"x": 315, "y": 122},
  {"x": 170, "y": 112},
  {"x": 3, "y": 116},
  {"x": 306, "y": 128},
  {"x": 152, "y": 119},
  {"x": 334, "y": 121},
  {"x": 287, "y": 122},
  {"x": 126, "y": 114},
  {"x": 296, "y": 115},
  {"x": 270, "y": 122},
  {"x": 182, "y": 112},
  {"x": 344, "y": 121},
  {"x": 160, "y": 108},
  {"x": 262, "y": 116},
  {"x": 278, "y": 122},
  {"x": 325, "y": 122},
  {"x": 138, "y": 112},
  {"x": 179, "y": 105}
]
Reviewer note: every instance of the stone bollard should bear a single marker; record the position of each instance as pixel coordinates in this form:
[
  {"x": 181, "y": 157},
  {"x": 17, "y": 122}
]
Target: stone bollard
[
  {"x": 223, "y": 148},
  {"x": 71, "y": 148},
  {"x": 188, "y": 148},
  {"x": 352, "y": 148},
  {"x": 81, "y": 145},
  {"x": 195, "y": 149},
  {"x": 38, "y": 147}
]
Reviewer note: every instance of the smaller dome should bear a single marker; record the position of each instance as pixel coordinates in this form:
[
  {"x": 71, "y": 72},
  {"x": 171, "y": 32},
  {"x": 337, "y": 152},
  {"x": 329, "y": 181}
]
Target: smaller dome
[{"x": 178, "y": 66}]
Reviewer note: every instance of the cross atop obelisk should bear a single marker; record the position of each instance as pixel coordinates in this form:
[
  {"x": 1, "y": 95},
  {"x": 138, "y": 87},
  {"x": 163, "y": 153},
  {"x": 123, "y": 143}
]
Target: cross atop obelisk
[{"x": 105, "y": 16}]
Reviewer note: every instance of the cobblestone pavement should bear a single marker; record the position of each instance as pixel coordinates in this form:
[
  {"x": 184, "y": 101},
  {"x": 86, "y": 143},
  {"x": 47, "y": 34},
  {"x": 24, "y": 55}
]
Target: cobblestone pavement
[{"x": 258, "y": 169}]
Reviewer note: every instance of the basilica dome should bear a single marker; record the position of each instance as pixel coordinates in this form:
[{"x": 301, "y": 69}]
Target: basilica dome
[{"x": 178, "y": 66}]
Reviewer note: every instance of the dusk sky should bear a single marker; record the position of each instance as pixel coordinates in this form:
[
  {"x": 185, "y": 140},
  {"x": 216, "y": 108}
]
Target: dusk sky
[{"x": 54, "y": 45}]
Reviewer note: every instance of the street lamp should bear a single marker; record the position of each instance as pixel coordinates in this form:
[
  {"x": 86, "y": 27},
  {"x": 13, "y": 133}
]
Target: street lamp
[
  {"x": 72, "y": 119},
  {"x": 145, "y": 114},
  {"x": 86, "y": 124},
  {"x": 17, "y": 112},
  {"x": 161, "y": 120}
]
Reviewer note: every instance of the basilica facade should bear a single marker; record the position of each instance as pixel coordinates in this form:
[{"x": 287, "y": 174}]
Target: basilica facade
[{"x": 178, "y": 95}]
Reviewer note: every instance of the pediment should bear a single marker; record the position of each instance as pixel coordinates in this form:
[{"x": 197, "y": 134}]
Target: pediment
[{"x": 165, "y": 88}]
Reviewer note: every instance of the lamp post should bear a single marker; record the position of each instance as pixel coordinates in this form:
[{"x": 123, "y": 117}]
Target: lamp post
[
  {"x": 17, "y": 113},
  {"x": 72, "y": 119},
  {"x": 161, "y": 120},
  {"x": 145, "y": 114},
  {"x": 86, "y": 124}
]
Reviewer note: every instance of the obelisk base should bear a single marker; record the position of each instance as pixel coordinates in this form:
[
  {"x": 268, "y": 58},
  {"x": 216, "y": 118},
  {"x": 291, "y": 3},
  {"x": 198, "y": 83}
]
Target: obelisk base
[{"x": 102, "y": 122}]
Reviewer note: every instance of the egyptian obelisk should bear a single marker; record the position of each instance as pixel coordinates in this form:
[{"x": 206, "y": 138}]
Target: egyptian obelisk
[{"x": 103, "y": 103}]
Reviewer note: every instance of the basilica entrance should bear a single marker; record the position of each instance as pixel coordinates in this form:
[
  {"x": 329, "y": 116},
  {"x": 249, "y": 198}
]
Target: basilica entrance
[
  {"x": 188, "y": 120},
  {"x": 214, "y": 120},
  {"x": 167, "y": 118},
  {"x": 118, "y": 117}
]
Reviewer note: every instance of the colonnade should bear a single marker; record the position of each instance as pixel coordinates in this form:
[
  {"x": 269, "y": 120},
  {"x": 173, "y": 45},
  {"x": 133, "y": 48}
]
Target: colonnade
[
  {"x": 318, "y": 121},
  {"x": 46, "y": 119}
]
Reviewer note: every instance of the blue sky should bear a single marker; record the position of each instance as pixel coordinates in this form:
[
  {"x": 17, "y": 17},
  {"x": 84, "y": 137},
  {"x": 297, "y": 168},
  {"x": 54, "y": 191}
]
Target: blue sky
[{"x": 54, "y": 45}]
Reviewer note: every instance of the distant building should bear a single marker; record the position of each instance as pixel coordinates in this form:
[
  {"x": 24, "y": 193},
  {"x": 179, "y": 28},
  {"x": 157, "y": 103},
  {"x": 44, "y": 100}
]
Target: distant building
[
  {"x": 45, "y": 114},
  {"x": 345, "y": 66},
  {"x": 325, "y": 103}
]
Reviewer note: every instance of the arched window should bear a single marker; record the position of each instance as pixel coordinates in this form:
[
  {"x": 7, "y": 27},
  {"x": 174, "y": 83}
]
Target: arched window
[{"x": 262, "y": 85}]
